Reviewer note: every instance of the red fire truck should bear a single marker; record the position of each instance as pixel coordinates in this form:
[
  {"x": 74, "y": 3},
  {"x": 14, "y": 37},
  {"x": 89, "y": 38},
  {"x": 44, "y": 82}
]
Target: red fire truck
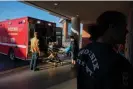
[{"x": 15, "y": 36}]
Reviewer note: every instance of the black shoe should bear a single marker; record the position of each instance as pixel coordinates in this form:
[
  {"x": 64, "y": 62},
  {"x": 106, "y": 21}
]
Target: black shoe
[
  {"x": 55, "y": 64},
  {"x": 73, "y": 66},
  {"x": 37, "y": 69}
]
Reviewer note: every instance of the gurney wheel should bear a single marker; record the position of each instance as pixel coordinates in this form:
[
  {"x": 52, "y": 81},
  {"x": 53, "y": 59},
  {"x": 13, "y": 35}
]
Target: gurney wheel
[
  {"x": 55, "y": 64},
  {"x": 61, "y": 63}
]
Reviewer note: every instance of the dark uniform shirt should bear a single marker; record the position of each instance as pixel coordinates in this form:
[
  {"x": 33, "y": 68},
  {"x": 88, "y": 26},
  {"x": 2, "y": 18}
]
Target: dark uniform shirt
[
  {"x": 100, "y": 67},
  {"x": 74, "y": 49}
]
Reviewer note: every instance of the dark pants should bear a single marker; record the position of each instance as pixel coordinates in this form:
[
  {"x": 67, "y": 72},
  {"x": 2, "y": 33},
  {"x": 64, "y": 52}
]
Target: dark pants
[
  {"x": 73, "y": 55},
  {"x": 33, "y": 62}
]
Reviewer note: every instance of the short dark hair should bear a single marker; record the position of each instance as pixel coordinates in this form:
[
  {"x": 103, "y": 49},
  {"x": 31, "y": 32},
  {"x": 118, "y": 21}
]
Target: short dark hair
[
  {"x": 111, "y": 17},
  {"x": 72, "y": 37},
  {"x": 103, "y": 22}
]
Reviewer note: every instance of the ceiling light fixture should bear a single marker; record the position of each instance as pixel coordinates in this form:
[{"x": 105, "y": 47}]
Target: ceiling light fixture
[
  {"x": 38, "y": 22},
  {"x": 49, "y": 24},
  {"x": 77, "y": 15},
  {"x": 55, "y": 4}
]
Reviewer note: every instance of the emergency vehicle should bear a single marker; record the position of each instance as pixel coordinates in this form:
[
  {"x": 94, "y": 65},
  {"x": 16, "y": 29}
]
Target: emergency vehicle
[{"x": 15, "y": 36}]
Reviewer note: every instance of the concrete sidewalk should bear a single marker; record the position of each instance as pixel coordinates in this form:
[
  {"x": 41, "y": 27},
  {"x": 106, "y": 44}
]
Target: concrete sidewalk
[
  {"x": 70, "y": 84},
  {"x": 61, "y": 77}
]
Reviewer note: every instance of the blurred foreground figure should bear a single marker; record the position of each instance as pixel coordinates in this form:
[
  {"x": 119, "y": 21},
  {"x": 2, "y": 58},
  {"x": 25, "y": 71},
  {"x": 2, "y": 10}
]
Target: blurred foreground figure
[{"x": 99, "y": 66}]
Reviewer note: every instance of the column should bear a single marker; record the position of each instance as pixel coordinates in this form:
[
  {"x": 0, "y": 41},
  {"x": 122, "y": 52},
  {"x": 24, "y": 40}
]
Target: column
[
  {"x": 75, "y": 28},
  {"x": 129, "y": 38},
  {"x": 85, "y": 35},
  {"x": 65, "y": 30}
]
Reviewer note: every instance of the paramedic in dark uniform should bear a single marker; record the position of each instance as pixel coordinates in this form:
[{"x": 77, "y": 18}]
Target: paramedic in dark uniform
[
  {"x": 74, "y": 49},
  {"x": 35, "y": 52},
  {"x": 98, "y": 65}
]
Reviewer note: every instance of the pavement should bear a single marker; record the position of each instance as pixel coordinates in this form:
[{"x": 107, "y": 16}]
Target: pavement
[
  {"x": 70, "y": 84},
  {"x": 48, "y": 77},
  {"x": 52, "y": 78},
  {"x": 7, "y": 64}
]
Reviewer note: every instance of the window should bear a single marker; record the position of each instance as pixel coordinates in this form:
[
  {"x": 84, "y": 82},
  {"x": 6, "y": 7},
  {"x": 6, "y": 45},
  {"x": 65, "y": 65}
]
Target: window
[
  {"x": 69, "y": 28},
  {"x": 58, "y": 33},
  {"x": 20, "y": 22}
]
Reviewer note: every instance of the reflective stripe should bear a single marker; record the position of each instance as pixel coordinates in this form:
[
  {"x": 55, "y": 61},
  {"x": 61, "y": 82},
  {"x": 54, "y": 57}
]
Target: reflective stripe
[
  {"x": 3, "y": 53},
  {"x": 7, "y": 44}
]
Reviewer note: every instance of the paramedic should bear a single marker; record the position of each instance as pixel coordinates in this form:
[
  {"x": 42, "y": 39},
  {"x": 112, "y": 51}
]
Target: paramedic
[
  {"x": 74, "y": 50},
  {"x": 35, "y": 52},
  {"x": 98, "y": 65}
]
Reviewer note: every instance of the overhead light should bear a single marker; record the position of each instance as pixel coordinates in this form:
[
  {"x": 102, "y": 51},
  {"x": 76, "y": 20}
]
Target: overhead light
[
  {"x": 38, "y": 22},
  {"x": 24, "y": 21},
  {"x": 77, "y": 15},
  {"x": 55, "y": 4},
  {"x": 49, "y": 24}
]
